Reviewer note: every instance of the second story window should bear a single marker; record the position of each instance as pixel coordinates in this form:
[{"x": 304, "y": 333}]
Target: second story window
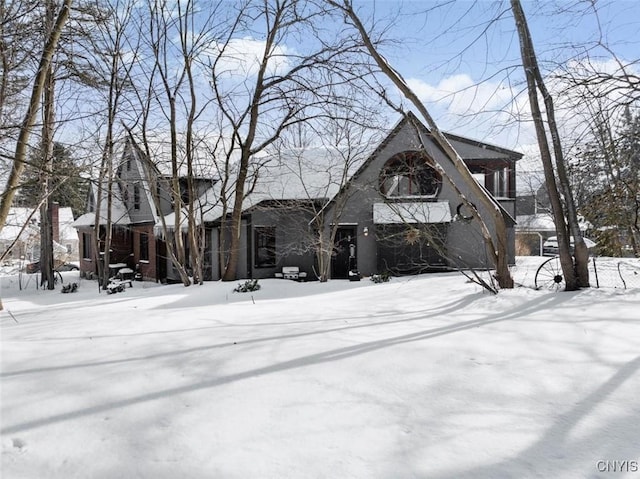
[
  {"x": 500, "y": 183},
  {"x": 136, "y": 196},
  {"x": 409, "y": 174}
]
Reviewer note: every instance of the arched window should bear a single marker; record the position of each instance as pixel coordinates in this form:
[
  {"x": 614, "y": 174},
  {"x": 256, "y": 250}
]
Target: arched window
[{"x": 409, "y": 174}]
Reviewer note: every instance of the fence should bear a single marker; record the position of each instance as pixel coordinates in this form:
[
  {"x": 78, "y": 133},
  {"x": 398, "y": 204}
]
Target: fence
[{"x": 623, "y": 273}]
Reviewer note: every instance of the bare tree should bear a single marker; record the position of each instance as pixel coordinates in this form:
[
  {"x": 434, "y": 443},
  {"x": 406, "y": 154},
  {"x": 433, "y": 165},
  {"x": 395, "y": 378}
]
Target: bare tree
[
  {"x": 497, "y": 247},
  {"x": 315, "y": 161},
  {"x": 576, "y": 273},
  {"x": 606, "y": 178},
  {"x": 18, "y": 39},
  {"x": 19, "y": 159},
  {"x": 48, "y": 125},
  {"x": 177, "y": 37},
  {"x": 279, "y": 89}
]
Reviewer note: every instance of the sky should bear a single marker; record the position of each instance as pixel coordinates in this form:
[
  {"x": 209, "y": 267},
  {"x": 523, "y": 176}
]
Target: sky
[{"x": 463, "y": 59}]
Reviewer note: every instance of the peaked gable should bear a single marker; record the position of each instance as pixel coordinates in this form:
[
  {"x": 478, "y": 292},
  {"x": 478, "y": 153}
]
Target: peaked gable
[{"x": 467, "y": 148}]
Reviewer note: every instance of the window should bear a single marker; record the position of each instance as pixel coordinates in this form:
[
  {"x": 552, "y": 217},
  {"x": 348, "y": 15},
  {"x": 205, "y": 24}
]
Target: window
[
  {"x": 409, "y": 174},
  {"x": 144, "y": 247},
  {"x": 495, "y": 177},
  {"x": 136, "y": 196},
  {"x": 265, "y": 246},
  {"x": 500, "y": 182},
  {"x": 86, "y": 246},
  {"x": 185, "y": 192},
  {"x": 91, "y": 203}
]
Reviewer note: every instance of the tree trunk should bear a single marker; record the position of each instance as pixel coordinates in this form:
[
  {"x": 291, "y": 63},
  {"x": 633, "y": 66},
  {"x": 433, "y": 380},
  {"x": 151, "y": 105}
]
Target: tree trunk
[
  {"x": 19, "y": 159},
  {"x": 231, "y": 270},
  {"x": 530, "y": 66},
  {"x": 46, "y": 167}
]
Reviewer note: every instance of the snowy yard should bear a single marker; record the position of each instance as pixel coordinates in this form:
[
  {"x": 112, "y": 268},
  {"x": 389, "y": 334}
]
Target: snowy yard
[{"x": 426, "y": 377}]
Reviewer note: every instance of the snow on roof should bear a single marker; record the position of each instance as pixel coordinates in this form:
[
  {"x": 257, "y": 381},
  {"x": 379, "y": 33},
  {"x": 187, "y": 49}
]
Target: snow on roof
[
  {"x": 296, "y": 173},
  {"x": 16, "y": 219},
  {"x": 65, "y": 224},
  {"x": 119, "y": 214},
  {"x": 204, "y": 154},
  {"x": 208, "y": 209},
  {"x": 537, "y": 222},
  {"x": 305, "y": 173},
  {"x": 286, "y": 174}
]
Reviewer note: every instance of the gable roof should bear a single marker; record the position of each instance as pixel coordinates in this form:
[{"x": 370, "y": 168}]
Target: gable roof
[
  {"x": 470, "y": 149},
  {"x": 316, "y": 173},
  {"x": 291, "y": 174},
  {"x": 119, "y": 214},
  {"x": 159, "y": 145}
]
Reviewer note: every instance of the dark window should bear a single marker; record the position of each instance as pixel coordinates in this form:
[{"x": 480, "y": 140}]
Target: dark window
[
  {"x": 409, "y": 174},
  {"x": 92, "y": 205},
  {"x": 144, "y": 247},
  {"x": 86, "y": 246},
  {"x": 185, "y": 192},
  {"x": 136, "y": 196},
  {"x": 265, "y": 246}
]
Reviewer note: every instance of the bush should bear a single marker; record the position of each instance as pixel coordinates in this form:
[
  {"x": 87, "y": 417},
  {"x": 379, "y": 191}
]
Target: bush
[
  {"x": 248, "y": 286},
  {"x": 381, "y": 278}
]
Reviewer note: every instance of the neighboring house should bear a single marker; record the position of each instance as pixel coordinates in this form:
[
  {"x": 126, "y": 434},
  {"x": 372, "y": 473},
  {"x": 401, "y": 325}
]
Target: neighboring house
[
  {"x": 136, "y": 240},
  {"x": 535, "y": 223},
  {"x": 27, "y": 247},
  {"x": 390, "y": 210}
]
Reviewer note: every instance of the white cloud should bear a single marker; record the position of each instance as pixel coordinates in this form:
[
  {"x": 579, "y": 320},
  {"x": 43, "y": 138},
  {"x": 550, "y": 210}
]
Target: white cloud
[
  {"x": 462, "y": 95},
  {"x": 488, "y": 111},
  {"x": 243, "y": 57}
]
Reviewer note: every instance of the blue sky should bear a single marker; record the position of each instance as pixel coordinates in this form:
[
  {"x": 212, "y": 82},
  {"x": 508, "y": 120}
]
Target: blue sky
[{"x": 462, "y": 57}]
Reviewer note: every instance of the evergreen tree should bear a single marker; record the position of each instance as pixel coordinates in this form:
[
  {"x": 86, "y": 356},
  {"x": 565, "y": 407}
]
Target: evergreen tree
[
  {"x": 608, "y": 172},
  {"x": 69, "y": 188}
]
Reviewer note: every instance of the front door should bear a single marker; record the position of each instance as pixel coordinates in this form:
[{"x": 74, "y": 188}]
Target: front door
[{"x": 344, "y": 256}]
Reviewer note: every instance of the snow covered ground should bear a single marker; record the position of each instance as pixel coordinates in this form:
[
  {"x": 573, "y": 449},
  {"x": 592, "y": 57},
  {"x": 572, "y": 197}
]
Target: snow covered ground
[{"x": 426, "y": 377}]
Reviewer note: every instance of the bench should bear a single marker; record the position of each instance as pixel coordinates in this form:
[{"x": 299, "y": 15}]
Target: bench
[
  {"x": 118, "y": 282},
  {"x": 292, "y": 272},
  {"x": 117, "y": 286}
]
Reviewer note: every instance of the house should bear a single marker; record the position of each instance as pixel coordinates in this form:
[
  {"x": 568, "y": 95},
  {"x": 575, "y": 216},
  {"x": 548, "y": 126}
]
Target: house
[
  {"x": 23, "y": 225},
  {"x": 387, "y": 209},
  {"x": 134, "y": 204},
  {"x": 395, "y": 213},
  {"x": 535, "y": 224}
]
